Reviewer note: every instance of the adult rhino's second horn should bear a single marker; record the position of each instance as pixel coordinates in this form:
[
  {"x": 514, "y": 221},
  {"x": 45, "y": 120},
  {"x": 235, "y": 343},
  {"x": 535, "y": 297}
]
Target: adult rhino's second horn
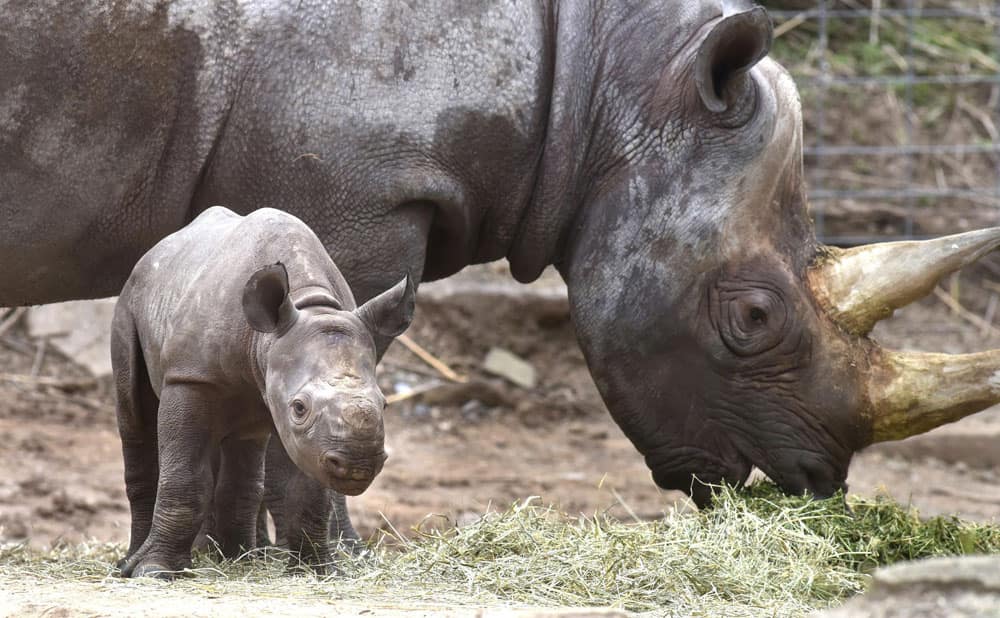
[
  {"x": 913, "y": 392},
  {"x": 860, "y": 286},
  {"x": 908, "y": 392}
]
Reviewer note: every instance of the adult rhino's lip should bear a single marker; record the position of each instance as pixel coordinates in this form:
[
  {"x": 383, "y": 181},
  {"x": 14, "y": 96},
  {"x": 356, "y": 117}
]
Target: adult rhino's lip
[
  {"x": 809, "y": 475},
  {"x": 694, "y": 471}
]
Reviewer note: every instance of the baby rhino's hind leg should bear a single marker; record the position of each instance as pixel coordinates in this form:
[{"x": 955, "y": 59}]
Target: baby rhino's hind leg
[
  {"x": 185, "y": 485},
  {"x": 137, "y": 416}
]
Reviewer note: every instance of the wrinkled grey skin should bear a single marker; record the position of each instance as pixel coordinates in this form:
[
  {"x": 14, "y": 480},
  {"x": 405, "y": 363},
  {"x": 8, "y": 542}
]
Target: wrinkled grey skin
[
  {"x": 644, "y": 148},
  {"x": 227, "y": 331}
]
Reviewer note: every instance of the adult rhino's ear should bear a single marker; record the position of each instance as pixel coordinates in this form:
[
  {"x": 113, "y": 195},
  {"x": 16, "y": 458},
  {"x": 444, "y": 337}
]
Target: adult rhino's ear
[
  {"x": 389, "y": 314},
  {"x": 738, "y": 41},
  {"x": 266, "y": 304}
]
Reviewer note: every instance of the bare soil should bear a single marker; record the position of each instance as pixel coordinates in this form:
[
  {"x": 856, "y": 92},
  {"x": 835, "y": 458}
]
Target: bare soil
[{"x": 455, "y": 450}]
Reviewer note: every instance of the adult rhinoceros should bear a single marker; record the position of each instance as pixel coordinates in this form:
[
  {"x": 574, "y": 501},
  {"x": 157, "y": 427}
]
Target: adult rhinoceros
[{"x": 648, "y": 150}]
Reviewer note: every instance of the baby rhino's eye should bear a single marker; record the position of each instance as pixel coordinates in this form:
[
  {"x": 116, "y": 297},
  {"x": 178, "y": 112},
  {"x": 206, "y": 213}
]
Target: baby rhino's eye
[{"x": 299, "y": 410}]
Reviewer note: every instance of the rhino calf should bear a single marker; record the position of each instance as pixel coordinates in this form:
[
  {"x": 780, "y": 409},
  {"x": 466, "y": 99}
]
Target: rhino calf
[{"x": 228, "y": 331}]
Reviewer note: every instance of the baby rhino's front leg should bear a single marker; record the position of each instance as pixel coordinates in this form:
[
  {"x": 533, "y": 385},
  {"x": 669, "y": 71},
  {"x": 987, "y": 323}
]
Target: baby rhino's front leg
[
  {"x": 238, "y": 493},
  {"x": 184, "y": 489}
]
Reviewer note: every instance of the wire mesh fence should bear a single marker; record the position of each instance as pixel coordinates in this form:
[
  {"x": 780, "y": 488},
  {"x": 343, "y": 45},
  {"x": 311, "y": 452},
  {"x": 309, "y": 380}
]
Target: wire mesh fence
[{"x": 901, "y": 104}]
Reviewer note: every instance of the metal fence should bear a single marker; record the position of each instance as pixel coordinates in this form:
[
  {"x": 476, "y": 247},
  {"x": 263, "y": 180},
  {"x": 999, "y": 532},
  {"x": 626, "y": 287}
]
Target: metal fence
[{"x": 901, "y": 100}]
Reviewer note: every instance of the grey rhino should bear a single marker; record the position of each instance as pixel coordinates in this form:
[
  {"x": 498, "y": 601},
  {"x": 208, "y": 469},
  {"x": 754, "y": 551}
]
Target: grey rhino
[
  {"x": 227, "y": 331},
  {"x": 649, "y": 150}
]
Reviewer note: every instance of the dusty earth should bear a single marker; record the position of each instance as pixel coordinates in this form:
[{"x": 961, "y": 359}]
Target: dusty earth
[{"x": 456, "y": 449}]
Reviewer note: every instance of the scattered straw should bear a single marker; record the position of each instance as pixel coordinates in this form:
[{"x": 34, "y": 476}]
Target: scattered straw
[{"x": 755, "y": 553}]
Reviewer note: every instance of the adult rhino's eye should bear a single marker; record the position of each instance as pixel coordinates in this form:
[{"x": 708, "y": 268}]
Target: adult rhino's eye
[{"x": 751, "y": 317}]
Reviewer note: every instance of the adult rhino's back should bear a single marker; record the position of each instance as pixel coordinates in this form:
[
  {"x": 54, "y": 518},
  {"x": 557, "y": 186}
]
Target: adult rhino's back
[
  {"x": 392, "y": 129},
  {"x": 107, "y": 114},
  {"x": 380, "y": 124}
]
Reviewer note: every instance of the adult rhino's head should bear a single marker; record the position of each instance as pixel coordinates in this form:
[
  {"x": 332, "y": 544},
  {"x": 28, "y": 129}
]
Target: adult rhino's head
[
  {"x": 319, "y": 374},
  {"x": 720, "y": 333}
]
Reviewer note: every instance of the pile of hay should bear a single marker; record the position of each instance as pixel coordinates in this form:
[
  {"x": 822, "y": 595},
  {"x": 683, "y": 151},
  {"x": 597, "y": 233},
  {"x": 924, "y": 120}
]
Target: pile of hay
[{"x": 755, "y": 553}]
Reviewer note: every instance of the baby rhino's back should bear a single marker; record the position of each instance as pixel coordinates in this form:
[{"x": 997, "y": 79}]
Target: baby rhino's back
[{"x": 185, "y": 294}]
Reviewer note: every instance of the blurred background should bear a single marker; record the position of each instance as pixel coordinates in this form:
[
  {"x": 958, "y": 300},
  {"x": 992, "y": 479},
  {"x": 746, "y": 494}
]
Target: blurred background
[{"x": 901, "y": 110}]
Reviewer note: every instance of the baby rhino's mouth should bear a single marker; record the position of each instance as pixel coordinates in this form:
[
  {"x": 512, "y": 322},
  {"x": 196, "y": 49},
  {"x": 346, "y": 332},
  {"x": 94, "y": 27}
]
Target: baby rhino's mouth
[{"x": 349, "y": 474}]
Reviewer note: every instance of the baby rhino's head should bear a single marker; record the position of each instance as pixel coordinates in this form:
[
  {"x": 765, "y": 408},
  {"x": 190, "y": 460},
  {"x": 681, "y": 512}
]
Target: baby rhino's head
[{"x": 319, "y": 375}]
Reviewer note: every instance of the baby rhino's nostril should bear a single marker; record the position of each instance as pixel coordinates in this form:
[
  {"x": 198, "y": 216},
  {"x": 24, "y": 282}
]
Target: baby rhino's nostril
[{"x": 334, "y": 462}]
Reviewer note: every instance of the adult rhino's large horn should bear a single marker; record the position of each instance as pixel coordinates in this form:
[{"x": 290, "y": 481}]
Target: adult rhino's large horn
[
  {"x": 912, "y": 392},
  {"x": 861, "y": 286}
]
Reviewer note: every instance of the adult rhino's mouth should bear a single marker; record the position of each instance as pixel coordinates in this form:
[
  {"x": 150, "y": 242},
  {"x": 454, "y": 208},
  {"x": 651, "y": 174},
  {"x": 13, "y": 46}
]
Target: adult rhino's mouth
[
  {"x": 798, "y": 473},
  {"x": 697, "y": 471}
]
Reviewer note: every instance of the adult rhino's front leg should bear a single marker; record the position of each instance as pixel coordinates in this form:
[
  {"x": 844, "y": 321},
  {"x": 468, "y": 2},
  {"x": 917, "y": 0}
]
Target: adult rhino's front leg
[{"x": 185, "y": 484}]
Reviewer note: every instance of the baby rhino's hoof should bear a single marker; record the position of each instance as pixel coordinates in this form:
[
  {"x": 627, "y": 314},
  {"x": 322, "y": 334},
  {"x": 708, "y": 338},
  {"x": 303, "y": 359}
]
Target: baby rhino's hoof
[
  {"x": 148, "y": 567},
  {"x": 152, "y": 569},
  {"x": 350, "y": 547}
]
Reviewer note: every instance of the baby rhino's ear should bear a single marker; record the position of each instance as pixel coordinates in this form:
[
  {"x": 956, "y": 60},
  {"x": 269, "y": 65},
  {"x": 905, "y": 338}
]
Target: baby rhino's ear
[
  {"x": 389, "y": 313},
  {"x": 266, "y": 304}
]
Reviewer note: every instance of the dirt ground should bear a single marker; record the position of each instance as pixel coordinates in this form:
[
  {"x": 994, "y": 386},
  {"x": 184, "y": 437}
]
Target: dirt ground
[{"x": 456, "y": 449}]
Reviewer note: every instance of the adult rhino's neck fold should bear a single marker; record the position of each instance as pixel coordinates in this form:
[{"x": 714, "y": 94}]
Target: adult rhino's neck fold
[{"x": 559, "y": 185}]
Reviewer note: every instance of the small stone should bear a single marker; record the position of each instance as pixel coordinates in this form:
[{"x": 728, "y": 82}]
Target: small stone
[
  {"x": 507, "y": 365},
  {"x": 968, "y": 586},
  {"x": 472, "y": 410}
]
